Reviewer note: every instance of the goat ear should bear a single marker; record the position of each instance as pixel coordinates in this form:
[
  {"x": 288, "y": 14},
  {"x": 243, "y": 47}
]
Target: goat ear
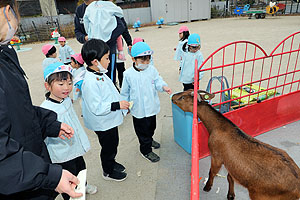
[{"x": 205, "y": 95}]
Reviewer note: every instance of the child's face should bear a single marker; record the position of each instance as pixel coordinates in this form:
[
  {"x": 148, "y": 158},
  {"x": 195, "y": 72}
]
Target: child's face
[
  {"x": 60, "y": 90},
  {"x": 144, "y": 60},
  {"x": 105, "y": 61},
  {"x": 180, "y": 35},
  {"x": 194, "y": 49},
  {"x": 74, "y": 65},
  {"x": 62, "y": 44}
]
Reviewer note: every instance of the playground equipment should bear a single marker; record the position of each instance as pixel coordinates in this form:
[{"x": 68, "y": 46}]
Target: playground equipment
[
  {"x": 137, "y": 25},
  {"x": 16, "y": 42},
  {"x": 55, "y": 35},
  {"x": 276, "y": 76},
  {"x": 160, "y": 22},
  {"x": 272, "y": 8}
]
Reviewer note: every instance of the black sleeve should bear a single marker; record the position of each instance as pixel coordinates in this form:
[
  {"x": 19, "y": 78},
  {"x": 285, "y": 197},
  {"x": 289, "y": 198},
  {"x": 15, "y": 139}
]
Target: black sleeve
[
  {"x": 48, "y": 122},
  {"x": 21, "y": 170},
  {"x": 79, "y": 28},
  {"x": 115, "y": 106},
  {"x": 126, "y": 35}
]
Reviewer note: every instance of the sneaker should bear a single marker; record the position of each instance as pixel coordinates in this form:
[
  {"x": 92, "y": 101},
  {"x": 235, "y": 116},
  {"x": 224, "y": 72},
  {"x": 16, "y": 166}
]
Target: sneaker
[
  {"x": 119, "y": 167},
  {"x": 90, "y": 189},
  {"x": 152, "y": 157},
  {"x": 115, "y": 176},
  {"x": 155, "y": 144}
]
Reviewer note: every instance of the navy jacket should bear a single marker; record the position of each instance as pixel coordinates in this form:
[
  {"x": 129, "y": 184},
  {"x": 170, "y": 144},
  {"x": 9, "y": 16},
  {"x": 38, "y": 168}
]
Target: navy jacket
[
  {"x": 121, "y": 29},
  {"x": 26, "y": 171}
]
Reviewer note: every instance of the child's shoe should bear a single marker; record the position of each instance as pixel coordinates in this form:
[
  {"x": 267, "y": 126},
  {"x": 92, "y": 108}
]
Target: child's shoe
[
  {"x": 90, "y": 189},
  {"x": 152, "y": 157},
  {"x": 119, "y": 167},
  {"x": 155, "y": 144},
  {"x": 115, "y": 176}
]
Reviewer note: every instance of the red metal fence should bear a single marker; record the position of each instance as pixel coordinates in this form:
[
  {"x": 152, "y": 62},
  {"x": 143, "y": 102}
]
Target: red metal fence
[{"x": 263, "y": 91}]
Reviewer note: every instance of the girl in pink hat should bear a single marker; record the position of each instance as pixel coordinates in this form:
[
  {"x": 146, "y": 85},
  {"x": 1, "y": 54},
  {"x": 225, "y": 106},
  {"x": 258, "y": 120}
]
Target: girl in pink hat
[
  {"x": 183, "y": 33},
  {"x": 77, "y": 64},
  {"x": 65, "y": 51},
  {"x": 49, "y": 51}
]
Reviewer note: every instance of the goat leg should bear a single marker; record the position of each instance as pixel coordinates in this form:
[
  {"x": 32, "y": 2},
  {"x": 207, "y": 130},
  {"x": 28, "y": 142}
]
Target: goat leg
[
  {"x": 230, "y": 194},
  {"x": 214, "y": 169}
]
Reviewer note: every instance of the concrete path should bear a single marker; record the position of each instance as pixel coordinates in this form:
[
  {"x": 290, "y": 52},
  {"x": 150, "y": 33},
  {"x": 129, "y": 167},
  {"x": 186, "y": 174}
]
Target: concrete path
[{"x": 169, "y": 179}]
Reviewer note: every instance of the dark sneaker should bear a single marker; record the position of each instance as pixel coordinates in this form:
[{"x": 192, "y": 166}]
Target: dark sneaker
[
  {"x": 152, "y": 157},
  {"x": 119, "y": 167},
  {"x": 115, "y": 176},
  {"x": 155, "y": 144}
]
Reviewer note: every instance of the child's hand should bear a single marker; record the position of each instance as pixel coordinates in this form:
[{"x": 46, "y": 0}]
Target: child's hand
[
  {"x": 124, "y": 105},
  {"x": 167, "y": 89}
]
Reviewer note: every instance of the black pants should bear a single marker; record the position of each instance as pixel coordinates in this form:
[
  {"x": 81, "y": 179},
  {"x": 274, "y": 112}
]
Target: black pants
[
  {"x": 74, "y": 166},
  {"x": 109, "y": 141},
  {"x": 144, "y": 129},
  {"x": 111, "y": 69},
  {"x": 121, "y": 69},
  {"x": 188, "y": 86}
]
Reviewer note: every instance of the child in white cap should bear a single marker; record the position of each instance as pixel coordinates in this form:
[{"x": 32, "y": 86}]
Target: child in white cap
[
  {"x": 67, "y": 153},
  {"x": 140, "y": 85},
  {"x": 65, "y": 51},
  {"x": 77, "y": 63},
  {"x": 183, "y": 33},
  {"x": 102, "y": 107},
  {"x": 189, "y": 52},
  {"x": 49, "y": 51}
]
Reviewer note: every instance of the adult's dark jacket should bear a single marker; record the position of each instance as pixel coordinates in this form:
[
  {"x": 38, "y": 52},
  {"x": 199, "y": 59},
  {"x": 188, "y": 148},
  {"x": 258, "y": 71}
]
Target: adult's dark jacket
[
  {"x": 121, "y": 29},
  {"x": 25, "y": 169}
]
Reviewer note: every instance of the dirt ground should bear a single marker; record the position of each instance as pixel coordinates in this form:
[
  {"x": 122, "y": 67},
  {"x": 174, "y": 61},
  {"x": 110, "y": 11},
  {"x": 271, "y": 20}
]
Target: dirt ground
[{"x": 169, "y": 178}]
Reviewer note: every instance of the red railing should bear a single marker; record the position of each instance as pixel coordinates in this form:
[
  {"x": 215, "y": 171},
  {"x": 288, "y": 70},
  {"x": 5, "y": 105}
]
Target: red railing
[{"x": 273, "y": 82}]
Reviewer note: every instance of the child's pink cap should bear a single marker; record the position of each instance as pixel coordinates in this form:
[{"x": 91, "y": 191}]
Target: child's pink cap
[
  {"x": 138, "y": 39},
  {"x": 46, "y": 48},
  {"x": 78, "y": 58},
  {"x": 182, "y": 29},
  {"x": 61, "y": 39}
]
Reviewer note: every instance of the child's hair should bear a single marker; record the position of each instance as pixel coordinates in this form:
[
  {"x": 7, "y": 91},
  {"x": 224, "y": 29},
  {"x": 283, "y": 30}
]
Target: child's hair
[
  {"x": 59, "y": 76},
  {"x": 185, "y": 35},
  {"x": 144, "y": 58},
  {"x": 51, "y": 51},
  {"x": 185, "y": 47},
  {"x": 75, "y": 61},
  {"x": 93, "y": 49}
]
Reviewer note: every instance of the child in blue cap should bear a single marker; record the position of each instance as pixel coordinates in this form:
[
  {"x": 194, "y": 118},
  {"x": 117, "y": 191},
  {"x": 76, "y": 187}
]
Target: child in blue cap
[
  {"x": 67, "y": 153},
  {"x": 190, "y": 52},
  {"x": 140, "y": 85},
  {"x": 102, "y": 107}
]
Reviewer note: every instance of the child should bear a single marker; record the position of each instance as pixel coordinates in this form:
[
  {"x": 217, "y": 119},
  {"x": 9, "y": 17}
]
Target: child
[
  {"x": 183, "y": 37},
  {"x": 101, "y": 106},
  {"x": 120, "y": 64},
  {"x": 49, "y": 51},
  {"x": 65, "y": 51},
  {"x": 78, "y": 74},
  {"x": 140, "y": 85},
  {"x": 67, "y": 153},
  {"x": 189, "y": 53}
]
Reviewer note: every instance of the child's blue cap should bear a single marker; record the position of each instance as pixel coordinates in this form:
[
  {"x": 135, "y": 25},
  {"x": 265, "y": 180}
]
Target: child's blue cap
[
  {"x": 55, "y": 68},
  {"x": 194, "y": 40},
  {"x": 140, "y": 49}
]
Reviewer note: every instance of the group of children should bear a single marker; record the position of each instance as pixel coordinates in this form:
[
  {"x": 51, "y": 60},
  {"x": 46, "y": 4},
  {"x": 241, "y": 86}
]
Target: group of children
[{"x": 103, "y": 106}]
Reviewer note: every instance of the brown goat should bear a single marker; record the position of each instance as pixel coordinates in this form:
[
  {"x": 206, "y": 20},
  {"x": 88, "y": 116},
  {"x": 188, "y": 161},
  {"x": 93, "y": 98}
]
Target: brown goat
[{"x": 267, "y": 172}]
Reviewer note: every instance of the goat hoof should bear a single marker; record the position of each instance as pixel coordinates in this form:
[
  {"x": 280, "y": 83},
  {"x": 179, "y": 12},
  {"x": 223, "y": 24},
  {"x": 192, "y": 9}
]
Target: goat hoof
[
  {"x": 230, "y": 196},
  {"x": 207, "y": 188}
]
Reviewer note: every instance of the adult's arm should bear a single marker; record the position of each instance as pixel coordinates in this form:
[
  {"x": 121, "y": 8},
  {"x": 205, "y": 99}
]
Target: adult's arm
[
  {"x": 126, "y": 35},
  {"x": 79, "y": 29},
  {"x": 19, "y": 169}
]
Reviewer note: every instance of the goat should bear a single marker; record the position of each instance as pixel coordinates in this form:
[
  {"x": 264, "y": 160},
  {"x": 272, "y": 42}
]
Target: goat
[{"x": 267, "y": 172}]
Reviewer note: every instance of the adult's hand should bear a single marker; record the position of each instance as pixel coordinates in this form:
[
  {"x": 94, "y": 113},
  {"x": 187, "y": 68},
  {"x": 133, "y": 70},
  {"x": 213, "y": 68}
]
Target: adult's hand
[
  {"x": 67, "y": 184},
  {"x": 86, "y": 38},
  {"x": 65, "y": 131},
  {"x": 124, "y": 105}
]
